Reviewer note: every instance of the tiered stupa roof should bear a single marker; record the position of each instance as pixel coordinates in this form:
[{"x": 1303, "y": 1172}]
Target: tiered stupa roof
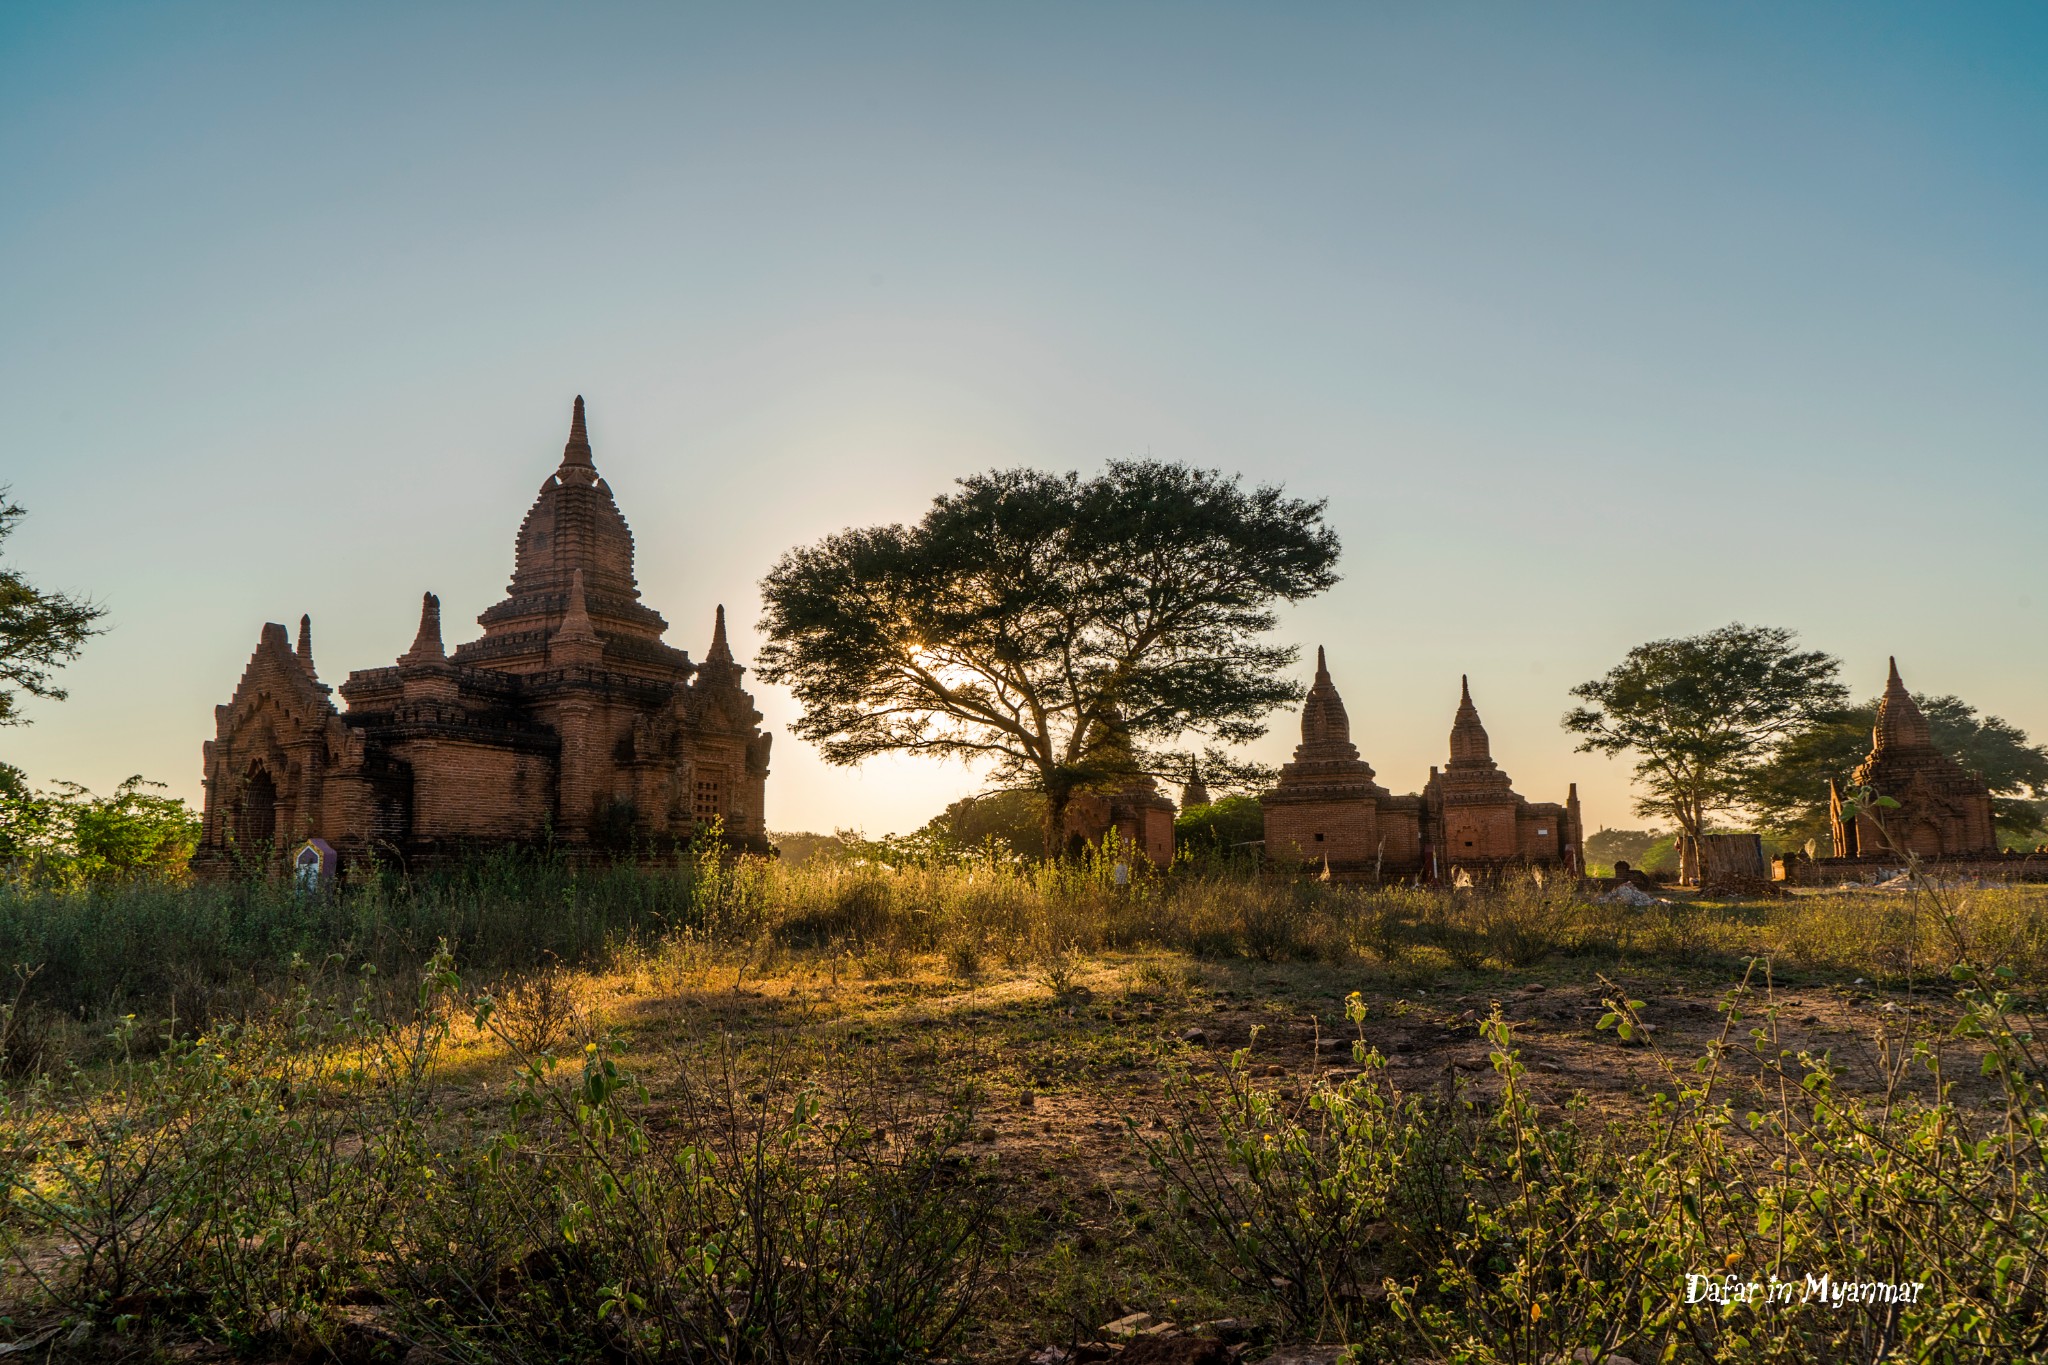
[
  {"x": 1326, "y": 763},
  {"x": 574, "y": 527},
  {"x": 1472, "y": 773}
]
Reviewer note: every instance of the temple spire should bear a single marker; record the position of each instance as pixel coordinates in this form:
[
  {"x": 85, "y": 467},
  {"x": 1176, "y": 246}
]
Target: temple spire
[
  {"x": 1323, "y": 718},
  {"x": 720, "y": 652},
  {"x": 306, "y": 643},
  {"x": 1469, "y": 743},
  {"x": 577, "y": 451},
  {"x": 426, "y": 646},
  {"x": 1900, "y": 723}
]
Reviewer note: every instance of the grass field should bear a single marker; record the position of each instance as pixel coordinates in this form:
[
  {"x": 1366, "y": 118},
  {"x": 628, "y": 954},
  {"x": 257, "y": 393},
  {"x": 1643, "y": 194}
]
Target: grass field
[{"x": 746, "y": 1112}]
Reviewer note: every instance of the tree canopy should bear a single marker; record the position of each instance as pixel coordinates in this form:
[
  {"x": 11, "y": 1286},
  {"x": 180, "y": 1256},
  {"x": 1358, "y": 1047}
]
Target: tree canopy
[
  {"x": 1610, "y": 846},
  {"x": 1066, "y": 631},
  {"x": 1704, "y": 715},
  {"x": 1790, "y": 792},
  {"x": 69, "y": 837},
  {"x": 1225, "y": 827},
  {"x": 40, "y": 631}
]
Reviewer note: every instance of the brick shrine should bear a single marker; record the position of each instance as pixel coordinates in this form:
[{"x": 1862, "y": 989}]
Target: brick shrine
[
  {"x": 1327, "y": 811},
  {"x": 1943, "y": 812},
  {"x": 569, "y": 721}
]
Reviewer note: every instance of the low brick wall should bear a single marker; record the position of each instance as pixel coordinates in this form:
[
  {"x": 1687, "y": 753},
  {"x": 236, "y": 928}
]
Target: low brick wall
[{"x": 2014, "y": 867}]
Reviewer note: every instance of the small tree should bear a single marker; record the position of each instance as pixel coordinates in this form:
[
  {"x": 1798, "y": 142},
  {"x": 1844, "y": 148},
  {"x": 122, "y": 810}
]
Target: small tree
[
  {"x": 1064, "y": 630},
  {"x": 1703, "y": 715},
  {"x": 40, "y": 631}
]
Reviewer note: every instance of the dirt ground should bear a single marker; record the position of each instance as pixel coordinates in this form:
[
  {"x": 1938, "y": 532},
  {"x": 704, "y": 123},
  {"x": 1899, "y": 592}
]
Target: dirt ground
[{"x": 1070, "y": 1069}]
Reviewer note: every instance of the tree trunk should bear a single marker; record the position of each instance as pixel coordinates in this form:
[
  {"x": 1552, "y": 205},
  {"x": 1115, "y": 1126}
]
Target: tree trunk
[
  {"x": 1056, "y": 826},
  {"x": 1690, "y": 822}
]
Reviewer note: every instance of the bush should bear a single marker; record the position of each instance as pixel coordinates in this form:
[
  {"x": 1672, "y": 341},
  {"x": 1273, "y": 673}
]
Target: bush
[{"x": 260, "y": 1181}]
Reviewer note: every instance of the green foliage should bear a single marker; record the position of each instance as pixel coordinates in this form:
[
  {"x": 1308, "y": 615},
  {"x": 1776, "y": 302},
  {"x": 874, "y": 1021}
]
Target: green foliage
[
  {"x": 1012, "y": 821},
  {"x": 68, "y": 837},
  {"x": 1790, "y": 792},
  {"x": 1223, "y": 826},
  {"x": 1609, "y": 846},
  {"x": 1703, "y": 715},
  {"x": 40, "y": 631},
  {"x": 1062, "y": 630}
]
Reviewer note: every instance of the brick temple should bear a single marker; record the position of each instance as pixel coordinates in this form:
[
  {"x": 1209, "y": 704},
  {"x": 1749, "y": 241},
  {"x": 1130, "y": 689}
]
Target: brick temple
[
  {"x": 1328, "y": 811},
  {"x": 1943, "y": 811},
  {"x": 569, "y": 721}
]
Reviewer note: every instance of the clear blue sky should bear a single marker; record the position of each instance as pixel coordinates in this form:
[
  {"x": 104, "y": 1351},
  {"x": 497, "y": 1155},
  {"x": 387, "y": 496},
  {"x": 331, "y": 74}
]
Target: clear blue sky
[{"x": 1594, "y": 323}]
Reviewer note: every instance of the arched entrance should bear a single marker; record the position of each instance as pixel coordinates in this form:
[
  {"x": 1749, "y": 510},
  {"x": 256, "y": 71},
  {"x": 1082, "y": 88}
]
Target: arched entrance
[{"x": 256, "y": 815}]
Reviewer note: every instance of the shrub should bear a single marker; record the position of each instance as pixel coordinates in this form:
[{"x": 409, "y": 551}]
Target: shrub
[{"x": 1506, "y": 1235}]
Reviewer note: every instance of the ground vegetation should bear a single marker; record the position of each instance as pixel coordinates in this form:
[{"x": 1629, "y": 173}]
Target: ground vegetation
[{"x": 739, "y": 1110}]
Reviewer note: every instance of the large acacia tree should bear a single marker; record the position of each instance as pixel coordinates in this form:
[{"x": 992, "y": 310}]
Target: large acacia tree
[
  {"x": 1704, "y": 716},
  {"x": 1066, "y": 631}
]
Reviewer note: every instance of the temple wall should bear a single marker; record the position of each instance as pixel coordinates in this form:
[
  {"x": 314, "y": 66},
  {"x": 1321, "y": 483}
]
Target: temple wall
[
  {"x": 475, "y": 791},
  {"x": 1155, "y": 836},
  {"x": 1401, "y": 830},
  {"x": 1482, "y": 833},
  {"x": 1540, "y": 833},
  {"x": 1310, "y": 831}
]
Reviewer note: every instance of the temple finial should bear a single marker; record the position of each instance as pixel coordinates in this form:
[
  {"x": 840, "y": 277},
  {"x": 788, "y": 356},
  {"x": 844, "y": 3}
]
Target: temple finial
[
  {"x": 426, "y": 646},
  {"x": 306, "y": 640},
  {"x": 577, "y": 451},
  {"x": 1322, "y": 666},
  {"x": 720, "y": 651},
  {"x": 1465, "y": 689},
  {"x": 1894, "y": 680}
]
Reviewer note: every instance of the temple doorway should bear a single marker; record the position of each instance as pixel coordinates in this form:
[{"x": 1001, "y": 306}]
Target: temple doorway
[{"x": 256, "y": 820}]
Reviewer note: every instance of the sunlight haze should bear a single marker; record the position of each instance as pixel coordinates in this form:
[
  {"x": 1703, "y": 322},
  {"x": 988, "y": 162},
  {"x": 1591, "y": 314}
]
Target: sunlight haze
[{"x": 1594, "y": 324}]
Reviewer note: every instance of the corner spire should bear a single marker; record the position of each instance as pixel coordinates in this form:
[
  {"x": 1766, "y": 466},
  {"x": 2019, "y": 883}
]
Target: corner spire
[
  {"x": 577, "y": 451},
  {"x": 575, "y": 640},
  {"x": 306, "y": 643},
  {"x": 426, "y": 646}
]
